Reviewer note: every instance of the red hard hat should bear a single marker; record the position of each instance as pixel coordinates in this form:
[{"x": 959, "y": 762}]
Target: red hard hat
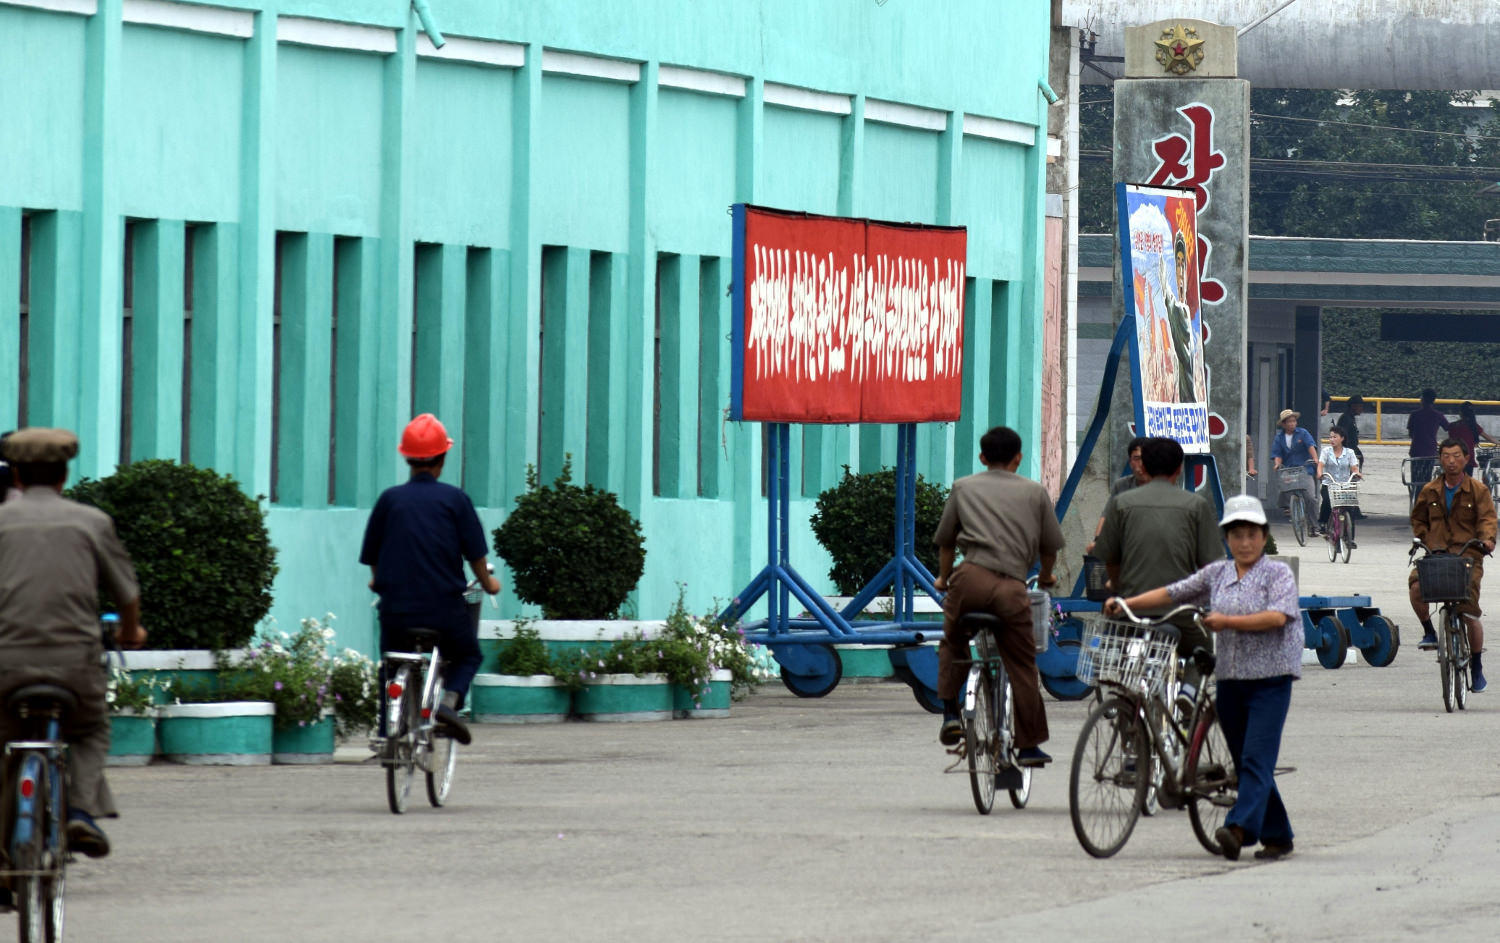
[{"x": 424, "y": 437}]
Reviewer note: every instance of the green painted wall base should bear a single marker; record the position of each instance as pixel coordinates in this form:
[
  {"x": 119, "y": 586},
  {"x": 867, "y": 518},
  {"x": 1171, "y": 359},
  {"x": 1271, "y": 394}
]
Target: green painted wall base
[
  {"x": 713, "y": 702},
  {"x": 625, "y": 698},
  {"x": 132, "y": 739},
  {"x": 309, "y": 745},
  {"x": 237, "y": 733},
  {"x": 511, "y": 699}
]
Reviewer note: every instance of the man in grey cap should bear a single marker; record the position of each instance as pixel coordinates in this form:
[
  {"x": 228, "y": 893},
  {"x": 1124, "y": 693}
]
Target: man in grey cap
[{"x": 54, "y": 555}]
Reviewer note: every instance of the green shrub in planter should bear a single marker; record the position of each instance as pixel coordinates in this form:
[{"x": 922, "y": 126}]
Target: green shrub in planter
[
  {"x": 200, "y": 546},
  {"x": 524, "y": 653},
  {"x": 855, "y": 521},
  {"x": 573, "y": 551}
]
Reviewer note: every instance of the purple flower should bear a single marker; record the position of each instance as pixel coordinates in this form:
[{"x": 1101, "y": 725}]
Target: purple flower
[{"x": 278, "y": 685}]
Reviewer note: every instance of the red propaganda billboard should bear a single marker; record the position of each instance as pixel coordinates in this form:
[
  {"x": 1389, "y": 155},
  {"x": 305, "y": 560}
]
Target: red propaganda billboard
[{"x": 845, "y": 320}]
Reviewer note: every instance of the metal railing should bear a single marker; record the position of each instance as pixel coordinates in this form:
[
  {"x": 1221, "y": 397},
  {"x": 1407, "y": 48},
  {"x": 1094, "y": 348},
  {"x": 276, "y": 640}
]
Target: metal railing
[{"x": 1487, "y": 406}]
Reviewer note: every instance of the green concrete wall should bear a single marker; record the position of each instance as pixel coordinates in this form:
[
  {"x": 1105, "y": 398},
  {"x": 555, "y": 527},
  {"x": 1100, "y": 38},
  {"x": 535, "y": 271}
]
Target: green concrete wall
[{"x": 521, "y": 250}]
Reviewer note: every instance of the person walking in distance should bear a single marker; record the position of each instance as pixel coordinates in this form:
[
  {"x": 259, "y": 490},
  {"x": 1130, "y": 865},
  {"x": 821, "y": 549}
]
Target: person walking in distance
[
  {"x": 1160, "y": 533},
  {"x": 1003, "y": 524},
  {"x": 417, "y": 540},
  {"x": 1450, "y": 511},
  {"x": 1422, "y": 428}
]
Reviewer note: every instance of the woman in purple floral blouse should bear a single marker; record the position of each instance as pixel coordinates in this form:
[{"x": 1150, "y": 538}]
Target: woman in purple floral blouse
[{"x": 1254, "y": 611}]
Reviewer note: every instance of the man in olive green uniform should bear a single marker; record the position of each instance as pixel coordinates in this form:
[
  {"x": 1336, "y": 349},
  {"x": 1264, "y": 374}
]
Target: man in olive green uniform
[
  {"x": 1160, "y": 533},
  {"x": 54, "y": 555},
  {"x": 1003, "y": 523}
]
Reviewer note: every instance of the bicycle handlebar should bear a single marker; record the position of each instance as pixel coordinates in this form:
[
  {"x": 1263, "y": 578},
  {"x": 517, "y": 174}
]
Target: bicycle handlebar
[
  {"x": 1417, "y": 544},
  {"x": 1197, "y": 612}
]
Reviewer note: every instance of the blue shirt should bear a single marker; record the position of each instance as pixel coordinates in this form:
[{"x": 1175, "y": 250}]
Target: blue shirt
[
  {"x": 1302, "y": 440},
  {"x": 1448, "y": 494},
  {"x": 418, "y": 537}
]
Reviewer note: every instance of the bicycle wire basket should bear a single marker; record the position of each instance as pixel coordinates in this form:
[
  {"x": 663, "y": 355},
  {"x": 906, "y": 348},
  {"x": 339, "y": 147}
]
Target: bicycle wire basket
[
  {"x": 1122, "y": 654},
  {"x": 1292, "y": 477},
  {"x": 1343, "y": 495},
  {"x": 1444, "y": 577},
  {"x": 1041, "y": 617}
]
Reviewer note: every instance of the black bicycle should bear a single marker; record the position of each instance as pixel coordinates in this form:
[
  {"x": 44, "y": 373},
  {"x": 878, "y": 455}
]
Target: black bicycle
[
  {"x": 1443, "y": 580},
  {"x": 37, "y": 799}
]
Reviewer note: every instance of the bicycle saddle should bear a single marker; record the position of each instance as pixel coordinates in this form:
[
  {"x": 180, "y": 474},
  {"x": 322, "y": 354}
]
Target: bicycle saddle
[
  {"x": 42, "y": 696},
  {"x": 1205, "y": 660},
  {"x": 981, "y": 621},
  {"x": 424, "y": 638}
]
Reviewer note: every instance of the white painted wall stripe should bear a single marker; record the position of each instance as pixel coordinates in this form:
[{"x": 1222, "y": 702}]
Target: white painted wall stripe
[
  {"x": 480, "y": 51},
  {"x": 909, "y": 116},
  {"x": 594, "y": 67},
  {"x": 697, "y": 80},
  {"x": 309, "y": 32},
  {"x": 999, "y": 129},
  {"x": 199, "y": 19},
  {"x": 81, "y": 7},
  {"x": 790, "y": 96}
]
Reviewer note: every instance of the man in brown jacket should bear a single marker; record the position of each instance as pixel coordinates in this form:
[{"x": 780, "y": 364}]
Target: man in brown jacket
[{"x": 1449, "y": 512}]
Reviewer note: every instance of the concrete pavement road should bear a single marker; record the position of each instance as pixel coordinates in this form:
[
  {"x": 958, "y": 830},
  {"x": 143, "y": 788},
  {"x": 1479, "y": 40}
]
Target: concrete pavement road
[{"x": 825, "y": 820}]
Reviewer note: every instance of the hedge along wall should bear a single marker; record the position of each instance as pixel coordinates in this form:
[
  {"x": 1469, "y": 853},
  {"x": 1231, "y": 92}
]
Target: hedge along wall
[{"x": 304, "y": 227}]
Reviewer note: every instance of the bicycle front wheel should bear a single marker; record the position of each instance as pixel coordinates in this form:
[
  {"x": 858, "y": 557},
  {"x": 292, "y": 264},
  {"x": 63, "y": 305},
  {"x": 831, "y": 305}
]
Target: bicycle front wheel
[
  {"x": 980, "y": 737},
  {"x": 1110, "y": 774},
  {"x": 1299, "y": 518},
  {"x": 1460, "y": 663},
  {"x": 1212, "y": 784},
  {"x": 442, "y": 755},
  {"x": 1446, "y": 670},
  {"x": 1021, "y": 794}
]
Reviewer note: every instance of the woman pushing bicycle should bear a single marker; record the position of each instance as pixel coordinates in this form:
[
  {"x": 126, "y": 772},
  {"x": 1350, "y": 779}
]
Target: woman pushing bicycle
[{"x": 1254, "y": 610}]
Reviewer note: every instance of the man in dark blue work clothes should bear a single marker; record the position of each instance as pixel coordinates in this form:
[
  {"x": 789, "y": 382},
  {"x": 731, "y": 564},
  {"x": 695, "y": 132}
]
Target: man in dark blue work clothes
[{"x": 416, "y": 541}]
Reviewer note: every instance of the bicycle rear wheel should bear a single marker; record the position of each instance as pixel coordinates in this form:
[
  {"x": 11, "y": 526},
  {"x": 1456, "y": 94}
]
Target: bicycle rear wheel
[
  {"x": 38, "y": 895},
  {"x": 1110, "y": 773},
  {"x": 1346, "y": 532},
  {"x": 1212, "y": 785},
  {"x": 980, "y": 737},
  {"x": 401, "y": 744},
  {"x": 1446, "y": 671},
  {"x": 1331, "y": 536},
  {"x": 1299, "y": 518}
]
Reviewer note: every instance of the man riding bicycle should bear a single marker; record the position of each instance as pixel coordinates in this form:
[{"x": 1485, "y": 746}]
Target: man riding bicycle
[
  {"x": 1450, "y": 511},
  {"x": 1002, "y": 523},
  {"x": 416, "y": 541},
  {"x": 1291, "y": 447},
  {"x": 54, "y": 554}
]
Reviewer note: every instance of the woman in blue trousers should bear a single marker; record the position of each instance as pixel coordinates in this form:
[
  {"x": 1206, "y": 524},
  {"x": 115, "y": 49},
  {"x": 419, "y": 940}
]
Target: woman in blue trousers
[{"x": 1254, "y": 612}]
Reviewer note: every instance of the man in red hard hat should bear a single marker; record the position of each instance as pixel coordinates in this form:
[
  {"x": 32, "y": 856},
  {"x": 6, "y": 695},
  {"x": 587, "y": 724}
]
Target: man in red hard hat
[{"x": 416, "y": 542}]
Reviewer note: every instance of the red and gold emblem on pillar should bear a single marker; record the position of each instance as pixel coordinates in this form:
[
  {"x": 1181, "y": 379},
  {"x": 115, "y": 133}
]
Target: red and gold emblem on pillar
[{"x": 1180, "y": 50}]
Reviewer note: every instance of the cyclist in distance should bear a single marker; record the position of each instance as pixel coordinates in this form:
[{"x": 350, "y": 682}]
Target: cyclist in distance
[
  {"x": 1003, "y": 523},
  {"x": 54, "y": 555},
  {"x": 1292, "y": 446},
  {"x": 1255, "y": 612},
  {"x": 1468, "y": 431},
  {"x": 416, "y": 542},
  {"x": 1449, "y": 512},
  {"x": 1160, "y": 533},
  {"x": 1339, "y": 463}
]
